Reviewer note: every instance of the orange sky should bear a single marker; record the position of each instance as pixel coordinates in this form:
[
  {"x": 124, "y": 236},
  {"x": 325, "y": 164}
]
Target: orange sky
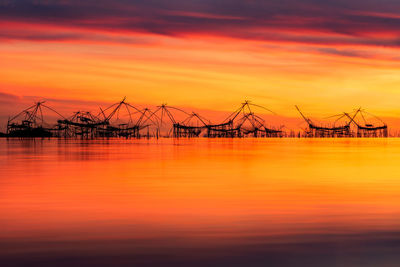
[{"x": 323, "y": 70}]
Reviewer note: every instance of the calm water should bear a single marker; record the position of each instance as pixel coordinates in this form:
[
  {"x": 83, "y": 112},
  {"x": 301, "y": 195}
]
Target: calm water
[{"x": 243, "y": 202}]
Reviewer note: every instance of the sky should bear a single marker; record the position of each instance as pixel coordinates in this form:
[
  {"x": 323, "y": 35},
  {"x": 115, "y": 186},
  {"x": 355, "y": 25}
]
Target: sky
[{"x": 325, "y": 56}]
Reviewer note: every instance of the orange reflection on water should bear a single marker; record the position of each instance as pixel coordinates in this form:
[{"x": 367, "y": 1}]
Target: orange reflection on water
[{"x": 202, "y": 192}]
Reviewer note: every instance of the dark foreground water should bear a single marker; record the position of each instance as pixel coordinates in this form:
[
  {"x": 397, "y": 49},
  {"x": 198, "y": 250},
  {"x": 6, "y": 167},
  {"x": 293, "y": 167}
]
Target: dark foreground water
[{"x": 205, "y": 202}]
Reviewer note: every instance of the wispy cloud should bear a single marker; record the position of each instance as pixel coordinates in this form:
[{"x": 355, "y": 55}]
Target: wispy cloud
[{"x": 369, "y": 23}]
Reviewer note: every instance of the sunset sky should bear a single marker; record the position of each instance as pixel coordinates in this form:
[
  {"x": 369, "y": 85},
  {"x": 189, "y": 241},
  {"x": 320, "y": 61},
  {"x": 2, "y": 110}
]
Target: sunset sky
[{"x": 326, "y": 56}]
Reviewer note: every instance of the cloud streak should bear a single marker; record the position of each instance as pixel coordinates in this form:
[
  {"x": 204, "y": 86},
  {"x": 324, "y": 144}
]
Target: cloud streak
[{"x": 359, "y": 23}]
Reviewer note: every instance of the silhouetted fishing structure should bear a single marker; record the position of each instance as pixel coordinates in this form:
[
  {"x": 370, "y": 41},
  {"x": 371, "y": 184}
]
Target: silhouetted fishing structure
[
  {"x": 114, "y": 125},
  {"x": 81, "y": 123},
  {"x": 320, "y": 131},
  {"x": 164, "y": 121},
  {"x": 30, "y": 122},
  {"x": 366, "y": 128},
  {"x": 243, "y": 122},
  {"x": 363, "y": 129},
  {"x": 124, "y": 120},
  {"x": 192, "y": 126}
]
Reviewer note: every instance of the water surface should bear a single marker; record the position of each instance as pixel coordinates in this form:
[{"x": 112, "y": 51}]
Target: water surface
[{"x": 200, "y": 202}]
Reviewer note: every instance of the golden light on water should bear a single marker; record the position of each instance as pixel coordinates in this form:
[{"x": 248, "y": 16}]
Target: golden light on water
[{"x": 198, "y": 193}]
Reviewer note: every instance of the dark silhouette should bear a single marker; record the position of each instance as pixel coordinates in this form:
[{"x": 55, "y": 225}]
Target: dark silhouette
[
  {"x": 164, "y": 122},
  {"x": 30, "y": 123},
  {"x": 363, "y": 128}
]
